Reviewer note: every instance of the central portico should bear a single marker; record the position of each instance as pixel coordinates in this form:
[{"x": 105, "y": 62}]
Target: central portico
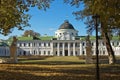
[{"x": 66, "y": 43}]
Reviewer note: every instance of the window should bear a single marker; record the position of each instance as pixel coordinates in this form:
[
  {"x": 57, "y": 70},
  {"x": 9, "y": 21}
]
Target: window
[
  {"x": 48, "y": 44},
  {"x": 44, "y": 52},
  {"x": 39, "y": 44},
  {"x": 24, "y": 44},
  {"x": 77, "y": 45},
  {"x": 83, "y": 44},
  {"x": 55, "y": 44},
  {"x": 56, "y": 53},
  {"x": 113, "y": 43},
  {"x": 66, "y": 44},
  {"x": 71, "y": 44},
  {"x": 48, "y": 52},
  {"x": 103, "y": 52},
  {"x": 29, "y": 44},
  {"x": 20, "y": 44},
  {"x": 92, "y": 43},
  {"x": 45, "y": 44},
  {"x": 83, "y": 52},
  {"x": 103, "y": 43},
  {"x": 39, "y": 52},
  {"x": 34, "y": 44},
  {"x": 117, "y": 43},
  {"x": 71, "y": 53},
  {"x": 60, "y": 53},
  {"x": 60, "y": 44},
  {"x": 76, "y": 53}
]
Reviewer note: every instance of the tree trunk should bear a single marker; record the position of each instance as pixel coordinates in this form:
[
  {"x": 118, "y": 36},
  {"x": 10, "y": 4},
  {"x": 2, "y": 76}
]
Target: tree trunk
[{"x": 110, "y": 51}]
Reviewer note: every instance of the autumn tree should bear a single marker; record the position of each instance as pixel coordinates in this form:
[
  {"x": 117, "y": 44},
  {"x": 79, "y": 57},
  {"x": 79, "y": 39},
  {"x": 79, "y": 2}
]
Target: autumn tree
[
  {"x": 31, "y": 33},
  {"x": 13, "y": 13},
  {"x": 109, "y": 12}
]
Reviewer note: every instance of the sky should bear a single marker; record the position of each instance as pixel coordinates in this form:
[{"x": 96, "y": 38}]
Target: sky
[{"x": 47, "y": 22}]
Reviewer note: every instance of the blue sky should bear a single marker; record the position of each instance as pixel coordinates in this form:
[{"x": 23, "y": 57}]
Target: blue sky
[{"x": 47, "y": 22}]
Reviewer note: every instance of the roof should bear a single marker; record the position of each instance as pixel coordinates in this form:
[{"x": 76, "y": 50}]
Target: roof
[
  {"x": 66, "y": 25},
  {"x": 3, "y": 44},
  {"x": 44, "y": 38}
]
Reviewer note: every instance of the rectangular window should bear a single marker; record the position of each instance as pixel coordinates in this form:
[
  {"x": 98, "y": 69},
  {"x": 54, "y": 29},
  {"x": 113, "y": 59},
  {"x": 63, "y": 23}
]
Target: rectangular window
[
  {"x": 71, "y": 53},
  {"x": 117, "y": 43},
  {"x": 66, "y": 44},
  {"x": 77, "y": 45},
  {"x": 48, "y": 52},
  {"x": 29, "y": 44},
  {"x": 113, "y": 43},
  {"x": 103, "y": 43},
  {"x": 71, "y": 44},
  {"x": 92, "y": 43},
  {"x": 34, "y": 44},
  {"x": 20, "y": 44},
  {"x": 44, "y": 44},
  {"x": 76, "y": 53},
  {"x": 60, "y": 44},
  {"x": 39, "y": 52},
  {"x": 24, "y": 44},
  {"x": 44, "y": 52},
  {"x": 48, "y": 44},
  {"x": 83, "y": 52},
  {"x": 60, "y": 53},
  {"x": 39, "y": 44}
]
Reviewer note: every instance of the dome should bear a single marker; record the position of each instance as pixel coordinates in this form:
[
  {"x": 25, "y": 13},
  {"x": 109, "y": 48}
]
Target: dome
[{"x": 66, "y": 25}]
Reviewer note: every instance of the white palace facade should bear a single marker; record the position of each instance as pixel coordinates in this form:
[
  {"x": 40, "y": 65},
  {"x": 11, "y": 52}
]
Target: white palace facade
[{"x": 66, "y": 42}]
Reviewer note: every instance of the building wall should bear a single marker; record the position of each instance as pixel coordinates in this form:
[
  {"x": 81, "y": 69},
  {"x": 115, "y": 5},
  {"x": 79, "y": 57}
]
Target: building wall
[
  {"x": 59, "y": 48},
  {"x": 4, "y": 51}
]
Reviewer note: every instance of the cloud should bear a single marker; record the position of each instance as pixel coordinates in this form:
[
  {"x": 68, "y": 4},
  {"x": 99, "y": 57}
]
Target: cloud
[{"x": 51, "y": 29}]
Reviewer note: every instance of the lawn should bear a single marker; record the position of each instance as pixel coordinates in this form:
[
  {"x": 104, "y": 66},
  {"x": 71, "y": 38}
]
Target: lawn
[{"x": 57, "y": 68}]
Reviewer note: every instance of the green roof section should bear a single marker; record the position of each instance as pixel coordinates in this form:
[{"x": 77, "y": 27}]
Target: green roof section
[
  {"x": 38, "y": 38},
  {"x": 25, "y": 38},
  {"x": 46, "y": 37},
  {"x": 115, "y": 38},
  {"x": 3, "y": 44}
]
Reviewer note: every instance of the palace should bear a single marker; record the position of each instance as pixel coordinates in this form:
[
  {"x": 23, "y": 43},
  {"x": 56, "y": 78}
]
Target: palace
[{"x": 66, "y": 42}]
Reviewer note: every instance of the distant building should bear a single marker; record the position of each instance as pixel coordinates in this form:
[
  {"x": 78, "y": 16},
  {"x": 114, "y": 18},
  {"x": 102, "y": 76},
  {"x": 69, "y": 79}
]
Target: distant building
[{"x": 66, "y": 42}]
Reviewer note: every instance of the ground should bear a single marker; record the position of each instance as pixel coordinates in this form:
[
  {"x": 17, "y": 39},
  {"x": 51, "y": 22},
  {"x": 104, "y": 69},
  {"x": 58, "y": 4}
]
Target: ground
[{"x": 57, "y": 68}]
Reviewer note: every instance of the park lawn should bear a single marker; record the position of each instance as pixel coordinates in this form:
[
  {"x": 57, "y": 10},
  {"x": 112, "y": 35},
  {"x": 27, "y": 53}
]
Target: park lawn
[
  {"x": 51, "y": 59},
  {"x": 64, "y": 68}
]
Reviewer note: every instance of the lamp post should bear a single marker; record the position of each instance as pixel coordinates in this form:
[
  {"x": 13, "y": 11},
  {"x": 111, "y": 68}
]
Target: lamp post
[{"x": 96, "y": 18}]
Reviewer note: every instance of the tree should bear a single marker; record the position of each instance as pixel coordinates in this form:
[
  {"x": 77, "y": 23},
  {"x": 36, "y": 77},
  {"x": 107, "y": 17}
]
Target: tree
[
  {"x": 13, "y": 13},
  {"x": 31, "y": 33},
  {"x": 109, "y": 12}
]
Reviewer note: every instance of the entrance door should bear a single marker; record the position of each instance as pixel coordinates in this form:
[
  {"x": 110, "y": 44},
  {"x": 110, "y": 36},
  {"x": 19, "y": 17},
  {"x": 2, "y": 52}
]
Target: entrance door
[{"x": 66, "y": 52}]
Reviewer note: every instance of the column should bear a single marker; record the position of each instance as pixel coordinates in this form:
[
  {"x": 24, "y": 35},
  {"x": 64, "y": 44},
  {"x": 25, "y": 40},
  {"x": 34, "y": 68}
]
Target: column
[
  {"x": 68, "y": 49},
  {"x": 81, "y": 48},
  {"x": 58, "y": 49},
  {"x": 63, "y": 51},
  {"x": 74, "y": 49}
]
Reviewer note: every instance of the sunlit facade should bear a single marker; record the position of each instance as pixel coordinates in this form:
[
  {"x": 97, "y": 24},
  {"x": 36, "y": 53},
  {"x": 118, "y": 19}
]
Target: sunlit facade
[{"x": 66, "y": 42}]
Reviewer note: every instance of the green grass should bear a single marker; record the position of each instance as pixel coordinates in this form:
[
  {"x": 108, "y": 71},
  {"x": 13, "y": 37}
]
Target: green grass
[{"x": 54, "y": 60}]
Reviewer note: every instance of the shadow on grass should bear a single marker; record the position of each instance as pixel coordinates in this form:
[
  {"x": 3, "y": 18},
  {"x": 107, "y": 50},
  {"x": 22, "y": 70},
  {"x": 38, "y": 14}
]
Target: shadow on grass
[
  {"x": 37, "y": 72},
  {"x": 53, "y": 63},
  {"x": 6, "y": 75},
  {"x": 23, "y": 72}
]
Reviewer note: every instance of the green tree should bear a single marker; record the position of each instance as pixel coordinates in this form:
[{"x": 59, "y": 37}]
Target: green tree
[
  {"x": 13, "y": 13},
  {"x": 109, "y": 12}
]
